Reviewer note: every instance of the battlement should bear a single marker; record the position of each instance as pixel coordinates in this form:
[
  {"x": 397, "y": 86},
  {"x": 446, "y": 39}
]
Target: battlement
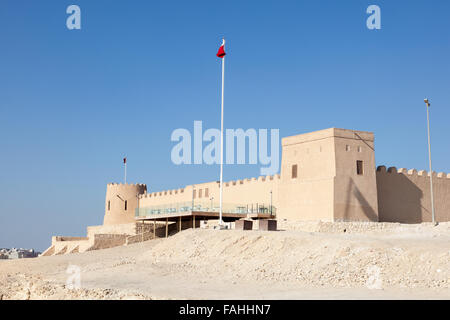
[
  {"x": 404, "y": 195},
  {"x": 411, "y": 172},
  {"x": 328, "y": 133},
  {"x": 231, "y": 183},
  {"x": 251, "y": 180},
  {"x": 112, "y": 184},
  {"x": 162, "y": 193}
]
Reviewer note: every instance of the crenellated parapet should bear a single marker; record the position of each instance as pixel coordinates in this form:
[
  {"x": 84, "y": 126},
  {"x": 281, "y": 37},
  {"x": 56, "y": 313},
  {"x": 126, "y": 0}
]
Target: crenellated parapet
[
  {"x": 162, "y": 193},
  {"x": 139, "y": 185},
  {"x": 404, "y": 195},
  {"x": 259, "y": 179},
  {"x": 211, "y": 185},
  {"x": 411, "y": 172}
]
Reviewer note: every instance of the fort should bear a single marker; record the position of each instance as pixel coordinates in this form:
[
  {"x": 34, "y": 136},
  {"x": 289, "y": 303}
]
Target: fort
[{"x": 328, "y": 175}]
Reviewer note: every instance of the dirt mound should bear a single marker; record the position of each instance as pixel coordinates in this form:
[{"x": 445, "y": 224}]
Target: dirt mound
[
  {"x": 307, "y": 258},
  {"x": 404, "y": 261},
  {"x": 26, "y": 287}
]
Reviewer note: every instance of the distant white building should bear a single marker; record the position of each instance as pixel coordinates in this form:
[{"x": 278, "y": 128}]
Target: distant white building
[{"x": 15, "y": 253}]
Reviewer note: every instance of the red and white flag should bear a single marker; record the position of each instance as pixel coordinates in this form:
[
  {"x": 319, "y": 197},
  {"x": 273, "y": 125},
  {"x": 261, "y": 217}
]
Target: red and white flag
[
  {"x": 221, "y": 53},
  {"x": 125, "y": 160}
]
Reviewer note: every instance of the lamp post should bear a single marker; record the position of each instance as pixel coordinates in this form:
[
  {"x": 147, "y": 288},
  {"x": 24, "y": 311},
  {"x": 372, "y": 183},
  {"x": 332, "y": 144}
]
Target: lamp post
[
  {"x": 270, "y": 202},
  {"x": 193, "y": 190},
  {"x": 429, "y": 158}
]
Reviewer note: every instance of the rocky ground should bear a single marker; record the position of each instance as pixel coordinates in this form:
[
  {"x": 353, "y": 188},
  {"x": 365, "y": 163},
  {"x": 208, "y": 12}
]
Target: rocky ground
[{"x": 301, "y": 261}]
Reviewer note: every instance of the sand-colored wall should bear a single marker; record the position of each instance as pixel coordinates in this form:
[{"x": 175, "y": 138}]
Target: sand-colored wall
[
  {"x": 98, "y": 237},
  {"x": 355, "y": 196},
  {"x": 404, "y": 195},
  {"x": 310, "y": 195},
  {"x": 65, "y": 245},
  {"x": 105, "y": 241},
  {"x": 116, "y": 195},
  {"x": 126, "y": 228},
  {"x": 246, "y": 191}
]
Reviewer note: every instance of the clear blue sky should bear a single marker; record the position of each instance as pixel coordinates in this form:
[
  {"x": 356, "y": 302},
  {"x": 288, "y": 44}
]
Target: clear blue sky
[{"x": 72, "y": 103}]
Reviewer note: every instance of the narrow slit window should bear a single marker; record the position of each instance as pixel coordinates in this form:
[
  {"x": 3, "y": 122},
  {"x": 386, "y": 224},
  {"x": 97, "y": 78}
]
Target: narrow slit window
[
  {"x": 109, "y": 205},
  {"x": 294, "y": 171},
  {"x": 195, "y": 194},
  {"x": 126, "y": 205},
  {"x": 200, "y": 193},
  {"x": 359, "y": 167},
  {"x": 206, "y": 192}
]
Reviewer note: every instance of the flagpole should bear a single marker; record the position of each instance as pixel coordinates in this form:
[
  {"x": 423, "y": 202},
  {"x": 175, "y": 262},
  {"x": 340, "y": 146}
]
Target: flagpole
[
  {"x": 125, "y": 177},
  {"x": 221, "y": 140}
]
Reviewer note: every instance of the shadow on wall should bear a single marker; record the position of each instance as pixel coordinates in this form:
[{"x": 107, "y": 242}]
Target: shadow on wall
[
  {"x": 349, "y": 215},
  {"x": 398, "y": 198}
]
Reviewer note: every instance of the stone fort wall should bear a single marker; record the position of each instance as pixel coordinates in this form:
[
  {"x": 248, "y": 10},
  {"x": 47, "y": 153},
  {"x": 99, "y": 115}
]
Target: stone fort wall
[
  {"x": 121, "y": 201},
  {"x": 327, "y": 186},
  {"x": 404, "y": 195},
  {"x": 247, "y": 191}
]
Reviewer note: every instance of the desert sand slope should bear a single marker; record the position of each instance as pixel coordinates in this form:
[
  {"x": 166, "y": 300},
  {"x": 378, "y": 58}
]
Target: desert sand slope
[{"x": 366, "y": 261}]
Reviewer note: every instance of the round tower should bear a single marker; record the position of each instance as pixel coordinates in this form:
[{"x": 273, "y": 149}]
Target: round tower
[{"x": 121, "y": 202}]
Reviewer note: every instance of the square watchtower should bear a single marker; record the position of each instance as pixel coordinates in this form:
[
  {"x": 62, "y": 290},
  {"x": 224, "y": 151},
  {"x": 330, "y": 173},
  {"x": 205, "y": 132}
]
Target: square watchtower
[{"x": 328, "y": 175}]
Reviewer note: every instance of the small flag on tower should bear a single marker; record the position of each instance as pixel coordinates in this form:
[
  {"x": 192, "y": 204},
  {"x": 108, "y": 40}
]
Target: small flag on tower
[
  {"x": 125, "y": 160},
  {"x": 221, "y": 53}
]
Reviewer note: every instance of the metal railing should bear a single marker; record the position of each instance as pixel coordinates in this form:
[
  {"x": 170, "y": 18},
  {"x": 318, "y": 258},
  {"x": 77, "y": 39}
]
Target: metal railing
[{"x": 205, "y": 206}]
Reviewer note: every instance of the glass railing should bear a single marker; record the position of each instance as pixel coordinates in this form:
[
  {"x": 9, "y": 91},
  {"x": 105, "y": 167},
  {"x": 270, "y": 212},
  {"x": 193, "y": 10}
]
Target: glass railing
[{"x": 206, "y": 206}]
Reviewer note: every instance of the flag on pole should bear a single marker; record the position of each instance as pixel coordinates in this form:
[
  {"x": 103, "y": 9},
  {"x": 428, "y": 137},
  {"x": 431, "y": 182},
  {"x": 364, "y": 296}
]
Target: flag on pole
[
  {"x": 125, "y": 160},
  {"x": 221, "y": 53}
]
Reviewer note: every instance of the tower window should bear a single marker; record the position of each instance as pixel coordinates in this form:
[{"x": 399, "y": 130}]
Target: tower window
[
  {"x": 359, "y": 167},
  {"x": 200, "y": 193},
  {"x": 206, "y": 192},
  {"x": 109, "y": 205},
  {"x": 294, "y": 171},
  {"x": 126, "y": 205}
]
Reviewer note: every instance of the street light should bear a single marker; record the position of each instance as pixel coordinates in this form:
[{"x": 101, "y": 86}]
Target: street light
[
  {"x": 193, "y": 190},
  {"x": 270, "y": 202},
  {"x": 429, "y": 158}
]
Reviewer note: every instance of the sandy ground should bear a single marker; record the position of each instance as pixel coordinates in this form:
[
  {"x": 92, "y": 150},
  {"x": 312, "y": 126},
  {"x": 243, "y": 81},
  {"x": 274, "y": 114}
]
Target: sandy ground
[{"x": 301, "y": 261}]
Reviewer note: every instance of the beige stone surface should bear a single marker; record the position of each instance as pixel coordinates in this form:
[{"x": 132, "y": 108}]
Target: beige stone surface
[
  {"x": 245, "y": 191},
  {"x": 121, "y": 202},
  {"x": 305, "y": 261},
  {"x": 405, "y": 195},
  {"x": 327, "y": 187}
]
